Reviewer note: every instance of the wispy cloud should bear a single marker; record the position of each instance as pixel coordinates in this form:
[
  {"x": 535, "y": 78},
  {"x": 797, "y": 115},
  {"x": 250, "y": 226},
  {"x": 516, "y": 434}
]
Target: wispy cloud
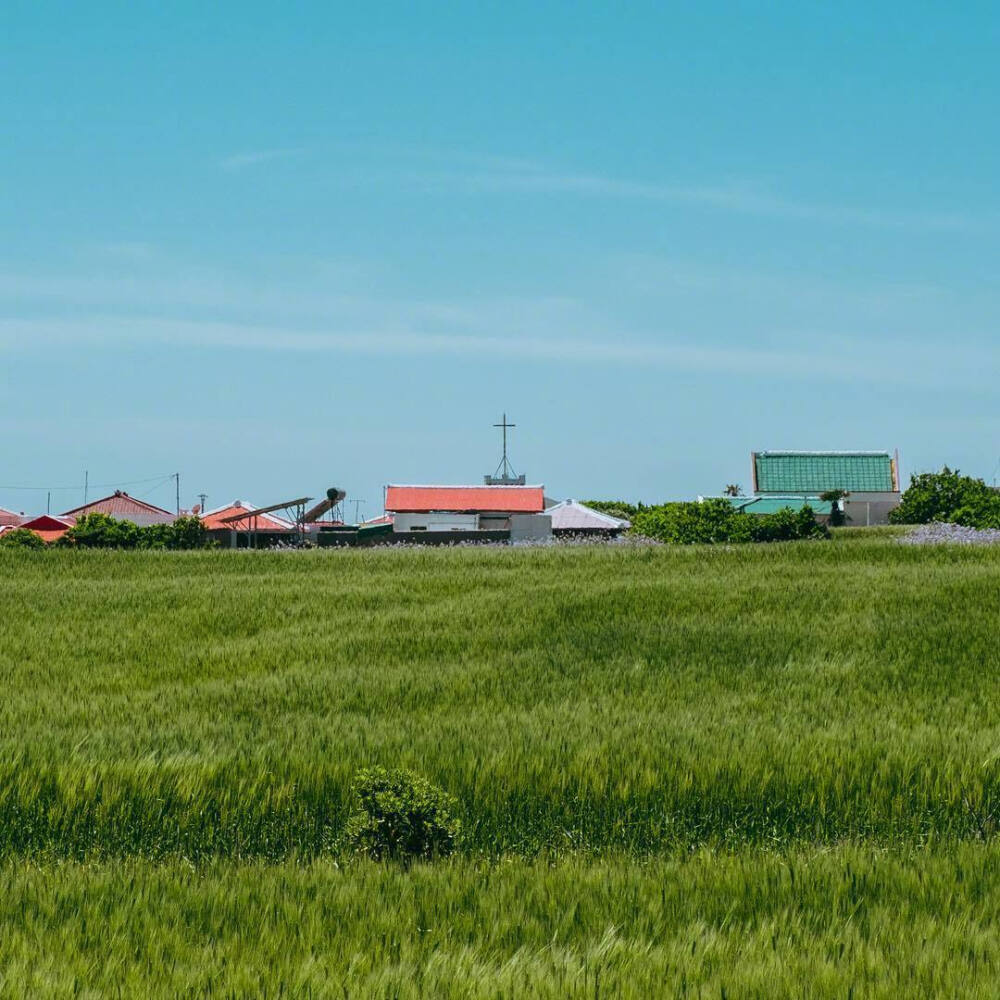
[
  {"x": 737, "y": 198},
  {"x": 253, "y": 158},
  {"x": 874, "y": 363},
  {"x": 470, "y": 172}
]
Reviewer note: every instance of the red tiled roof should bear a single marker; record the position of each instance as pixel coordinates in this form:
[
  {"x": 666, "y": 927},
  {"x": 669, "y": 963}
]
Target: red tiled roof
[
  {"x": 460, "y": 499},
  {"x": 213, "y": 519},
  {"x": 118, "y": 504}
]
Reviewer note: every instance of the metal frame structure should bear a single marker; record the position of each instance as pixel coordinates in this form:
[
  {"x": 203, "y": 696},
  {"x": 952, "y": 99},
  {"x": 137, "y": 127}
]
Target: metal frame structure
[{"x": 251, "y": 516}]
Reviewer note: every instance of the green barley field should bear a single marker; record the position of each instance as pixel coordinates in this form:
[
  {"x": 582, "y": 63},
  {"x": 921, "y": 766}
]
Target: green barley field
[{"x": 754, "y": 771}]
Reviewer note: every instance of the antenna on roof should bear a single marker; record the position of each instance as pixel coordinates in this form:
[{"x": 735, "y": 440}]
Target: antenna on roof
[{"x": 504, "y": 474}]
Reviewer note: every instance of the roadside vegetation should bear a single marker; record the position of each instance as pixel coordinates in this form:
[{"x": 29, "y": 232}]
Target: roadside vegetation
[{"x": 712, "y": 521}]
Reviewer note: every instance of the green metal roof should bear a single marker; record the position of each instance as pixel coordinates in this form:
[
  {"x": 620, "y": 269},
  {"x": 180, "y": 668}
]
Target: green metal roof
[
  {"x": 772, "y": 504},
  {"x": 818, "y": 471}
]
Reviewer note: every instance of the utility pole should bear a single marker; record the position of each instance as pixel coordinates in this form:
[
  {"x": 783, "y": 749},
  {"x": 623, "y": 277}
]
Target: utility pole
[
  {"x": 202, "y": 497},
  {"x": 86, "y": 485},
  {"x": 177, "y": 481},
  {"x": 48, "y": 503}
]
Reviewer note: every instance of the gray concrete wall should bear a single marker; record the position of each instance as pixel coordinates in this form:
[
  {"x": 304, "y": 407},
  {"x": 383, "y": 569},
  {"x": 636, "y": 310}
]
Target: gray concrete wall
[{"x": 530, "y": 527}]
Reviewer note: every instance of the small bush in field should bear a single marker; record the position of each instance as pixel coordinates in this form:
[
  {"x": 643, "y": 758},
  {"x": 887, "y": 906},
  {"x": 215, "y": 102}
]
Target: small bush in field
[{"x": 402, "y": 817}]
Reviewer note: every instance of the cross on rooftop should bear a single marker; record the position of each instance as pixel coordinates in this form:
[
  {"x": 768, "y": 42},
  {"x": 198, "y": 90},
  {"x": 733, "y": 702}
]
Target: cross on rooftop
[{"x": 504, "y": 474}]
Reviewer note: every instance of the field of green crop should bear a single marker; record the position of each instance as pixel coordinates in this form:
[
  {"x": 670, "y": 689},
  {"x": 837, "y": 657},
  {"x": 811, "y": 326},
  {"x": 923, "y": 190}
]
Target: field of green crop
[{"x": 759, "y": 770}]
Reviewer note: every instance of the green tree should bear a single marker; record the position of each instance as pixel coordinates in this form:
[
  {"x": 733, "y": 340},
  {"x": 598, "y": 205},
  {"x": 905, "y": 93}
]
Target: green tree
[
  {"x": 945, "y": 496},
  {"x": 834, "y": 498},
  {"x": 187, "y": 533},
  {"x": 102, "y": 531}
]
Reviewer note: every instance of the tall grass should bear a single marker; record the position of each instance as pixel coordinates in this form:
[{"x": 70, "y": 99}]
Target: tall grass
[
  {"x": 818, "y": 923},
  {"x": 622, "y": 699}
]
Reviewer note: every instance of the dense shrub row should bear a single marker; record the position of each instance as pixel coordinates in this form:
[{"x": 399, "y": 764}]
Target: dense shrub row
[
  {"x": 948, "y": 496},
  {"x": 101, "y": 531},
  {"x": 715, "y": 520},
  {"x": 712, "y": 521}
]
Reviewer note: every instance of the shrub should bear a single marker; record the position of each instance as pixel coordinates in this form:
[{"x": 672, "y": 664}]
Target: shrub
[
  {"x": 402, "y": 816},
  {"x": 187, "y": 533},
  {"x": 614, "y": 508},
  {"x": 715, "y": 520},
  {"x": 22, "y": 538},
  {"x": 948, "y": 496},
  {"x": 981, "y": 512},
  {"x": 101, "y": 531},
  {"x": 786, "y": 525}
]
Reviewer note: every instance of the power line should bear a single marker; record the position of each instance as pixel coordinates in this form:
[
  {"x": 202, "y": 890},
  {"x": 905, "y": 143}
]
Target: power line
[{"x": 93, "y": 486}]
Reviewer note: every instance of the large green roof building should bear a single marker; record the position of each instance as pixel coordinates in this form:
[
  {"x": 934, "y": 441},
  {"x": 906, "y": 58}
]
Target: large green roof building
[
  {"x": 870, "y": 478},
  {"x": 815, "y": 472}
]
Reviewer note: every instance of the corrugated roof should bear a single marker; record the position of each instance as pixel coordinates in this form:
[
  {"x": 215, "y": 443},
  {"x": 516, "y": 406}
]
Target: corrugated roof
[
  {"x": 772, "y": 504},
  {"x": 819, "y": 471},
  {"x": 465, "y": 499},
  {"x": 570, "y": 515},
  {"x": 213, "y": 519},
  {"x": 8, "y": 518},
  {"x": 121, "y": 505}
]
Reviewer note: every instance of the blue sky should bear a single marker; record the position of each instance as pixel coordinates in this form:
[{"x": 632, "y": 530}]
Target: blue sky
[{"x": 280, "y": 247}]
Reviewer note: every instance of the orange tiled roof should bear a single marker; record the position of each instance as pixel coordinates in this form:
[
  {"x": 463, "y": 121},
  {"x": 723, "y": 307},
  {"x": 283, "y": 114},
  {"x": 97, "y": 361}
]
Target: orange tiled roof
[
  {"x": 213, "y": 519},
  {"x": 465, "y": 499}
]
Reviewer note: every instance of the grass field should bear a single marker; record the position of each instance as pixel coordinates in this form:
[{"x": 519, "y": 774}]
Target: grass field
[{"x": 678, "y": 770}]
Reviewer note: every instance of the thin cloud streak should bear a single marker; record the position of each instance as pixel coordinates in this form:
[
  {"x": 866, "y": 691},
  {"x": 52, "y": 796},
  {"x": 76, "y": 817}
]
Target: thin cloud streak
[
  {"x": 476, "y": 173},
  {"x": 736, "y": 199},
  {"x": 252, "y": 158},
  {"x": 116, "y": 331}
]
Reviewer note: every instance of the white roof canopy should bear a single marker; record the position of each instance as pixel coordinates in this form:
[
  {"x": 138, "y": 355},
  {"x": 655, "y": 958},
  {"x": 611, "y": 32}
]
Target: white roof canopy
[{"x": 570, "y": 515}]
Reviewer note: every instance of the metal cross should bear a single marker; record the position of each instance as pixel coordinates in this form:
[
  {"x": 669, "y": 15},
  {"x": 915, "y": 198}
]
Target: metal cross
[{"x": 505, "y": 465}]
